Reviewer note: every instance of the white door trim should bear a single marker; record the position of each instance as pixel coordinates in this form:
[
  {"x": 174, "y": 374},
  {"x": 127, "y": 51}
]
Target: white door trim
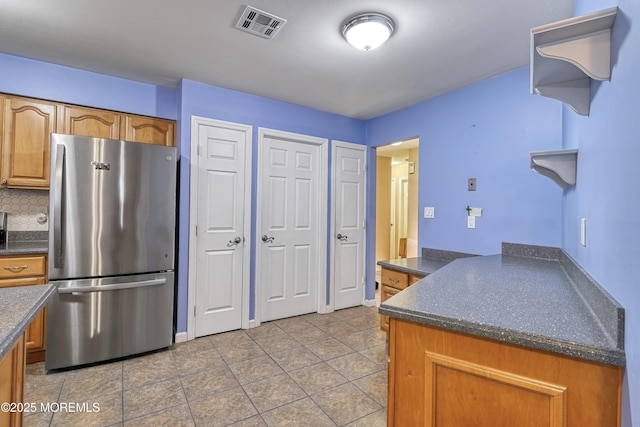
[
  {"x": 323, "y": 143},
  {"x": 193, "y": 215},
  {"x": 332, "y": 217}
]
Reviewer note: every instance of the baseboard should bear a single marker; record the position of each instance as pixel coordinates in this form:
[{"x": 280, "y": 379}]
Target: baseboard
[
  {"x": 369, "y": 303},
  {"x": 253, "y": 323},
  {"x": 181, "y": 337},
  {"x": 326, "y": 309}
]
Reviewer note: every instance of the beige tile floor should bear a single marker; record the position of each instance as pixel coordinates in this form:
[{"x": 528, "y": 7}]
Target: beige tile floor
[{"x": 311, "y": 370}]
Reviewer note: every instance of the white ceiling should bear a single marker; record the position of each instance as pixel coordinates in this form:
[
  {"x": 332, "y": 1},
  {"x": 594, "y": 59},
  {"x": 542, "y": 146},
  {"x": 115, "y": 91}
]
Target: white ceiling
[{"x": 438, "y": 46}]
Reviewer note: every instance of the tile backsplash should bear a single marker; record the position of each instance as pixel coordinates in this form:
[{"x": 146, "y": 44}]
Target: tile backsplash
[{"x": 23, "y": 208}]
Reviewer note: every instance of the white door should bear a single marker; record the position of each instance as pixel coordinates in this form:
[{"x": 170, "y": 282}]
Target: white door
[
  {"x": 349, "y": 218},
  {"x": 221, "y": 201},
  {"x": 289, "y": 235}
]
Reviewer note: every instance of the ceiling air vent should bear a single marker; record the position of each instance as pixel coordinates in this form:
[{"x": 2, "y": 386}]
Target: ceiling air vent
[{"x": 260, "y": 23}]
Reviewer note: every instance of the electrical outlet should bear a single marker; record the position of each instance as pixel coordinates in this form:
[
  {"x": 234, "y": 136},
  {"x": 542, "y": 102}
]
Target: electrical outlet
[
  {"x": 429, "y": 212},
  {"x": 471, "y": 184},
  {"x": 471, "y": 221}
]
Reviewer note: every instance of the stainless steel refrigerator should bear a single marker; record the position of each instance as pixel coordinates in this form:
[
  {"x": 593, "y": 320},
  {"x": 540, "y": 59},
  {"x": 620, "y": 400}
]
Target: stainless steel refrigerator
[{"x": 111, "y": 249}]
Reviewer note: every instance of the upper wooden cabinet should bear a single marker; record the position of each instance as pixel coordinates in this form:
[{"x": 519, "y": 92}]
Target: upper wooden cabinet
[
  {"x": 26, "y": 126},
  {"x": 148, "y": 130},
  {"x": 90, "y": 122}
]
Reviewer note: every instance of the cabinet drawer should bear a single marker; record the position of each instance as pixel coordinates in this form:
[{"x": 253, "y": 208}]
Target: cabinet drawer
[
  {"x": 395, "y": 279},
  {"x": 413, "y": 279},
  {"x": 24, "y": 266},
  {"x": 387, "y": 292}
]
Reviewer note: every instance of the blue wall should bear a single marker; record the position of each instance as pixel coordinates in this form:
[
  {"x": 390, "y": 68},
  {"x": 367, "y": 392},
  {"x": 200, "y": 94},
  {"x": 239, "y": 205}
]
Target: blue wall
[
  {"x": 197, "y": 99},
  {"x": 605, "y": 192},
  {"x": 21, "y": 76},
  {"x": 484, "y": 131}
]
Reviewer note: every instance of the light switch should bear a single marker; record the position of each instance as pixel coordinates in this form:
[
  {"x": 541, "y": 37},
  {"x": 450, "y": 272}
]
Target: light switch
[
  {"x": 429, "y": 212},
  {"x": 476, "y": 212},
  {"x": 471, "y": 221}
]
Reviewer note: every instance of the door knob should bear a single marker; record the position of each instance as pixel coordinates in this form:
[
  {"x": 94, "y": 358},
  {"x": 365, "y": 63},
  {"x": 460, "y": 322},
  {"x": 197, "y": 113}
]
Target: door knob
[
  {"x": 235, "y": 241},
  {"x": 267, "y": 239},
  {"x": 342, "y": 238}
]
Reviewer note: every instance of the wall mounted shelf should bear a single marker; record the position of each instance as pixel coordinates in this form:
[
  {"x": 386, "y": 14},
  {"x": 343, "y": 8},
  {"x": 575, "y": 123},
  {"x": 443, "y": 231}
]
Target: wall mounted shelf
[
  {"x": 567, "y": 54},
  {"x": 559, "y": 165}
]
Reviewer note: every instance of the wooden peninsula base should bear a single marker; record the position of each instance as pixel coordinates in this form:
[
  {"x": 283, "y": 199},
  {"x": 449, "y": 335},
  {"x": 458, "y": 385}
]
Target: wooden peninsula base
[
  {"x": 442, "y": 378},
  {"x": 12, "y": 367}
]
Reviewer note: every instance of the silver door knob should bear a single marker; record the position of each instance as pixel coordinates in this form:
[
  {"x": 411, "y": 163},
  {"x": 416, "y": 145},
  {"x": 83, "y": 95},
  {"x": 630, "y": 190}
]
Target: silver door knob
[
  {"x": 342, "y": 238},
  {"x": 235, "y": 241},
  {"x": 267, "y": 239}
]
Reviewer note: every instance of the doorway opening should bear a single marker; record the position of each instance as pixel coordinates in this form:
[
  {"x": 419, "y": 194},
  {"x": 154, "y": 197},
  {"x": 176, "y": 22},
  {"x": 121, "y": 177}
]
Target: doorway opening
[{"x": 396, "y": 202}]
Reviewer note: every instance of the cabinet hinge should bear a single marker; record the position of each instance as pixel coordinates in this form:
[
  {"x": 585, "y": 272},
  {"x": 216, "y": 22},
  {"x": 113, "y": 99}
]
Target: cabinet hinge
[
  {"x": 194, "y": 311},
  {"x": 196, "y": 230}
]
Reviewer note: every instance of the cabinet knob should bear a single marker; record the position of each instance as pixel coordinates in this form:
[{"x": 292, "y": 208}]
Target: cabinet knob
[{"x": 4, "y": 181}]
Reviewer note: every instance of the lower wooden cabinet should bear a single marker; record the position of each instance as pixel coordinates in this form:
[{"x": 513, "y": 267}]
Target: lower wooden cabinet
[
  {"x": 24, "y": 271},
  {"x": 393, "y": 281},
  {"x": 443, "y": 378},
  {"x": 12, "y": 383}
]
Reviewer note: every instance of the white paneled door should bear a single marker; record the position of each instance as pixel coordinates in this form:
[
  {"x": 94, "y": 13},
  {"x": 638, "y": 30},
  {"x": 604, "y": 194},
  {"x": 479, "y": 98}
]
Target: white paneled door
[
  {"x": 349, "y": 218},
  {"x": 221, "y": 188},
  {"x": 289, "y": 239}
]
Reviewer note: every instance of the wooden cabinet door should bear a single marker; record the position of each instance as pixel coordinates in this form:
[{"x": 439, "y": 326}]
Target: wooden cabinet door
[
  {"x": 148, "y": 130},
  {"x": 12, "y": 382},
  {"x": 91, "y": 122},
  {"x": 27, "y": 126}
]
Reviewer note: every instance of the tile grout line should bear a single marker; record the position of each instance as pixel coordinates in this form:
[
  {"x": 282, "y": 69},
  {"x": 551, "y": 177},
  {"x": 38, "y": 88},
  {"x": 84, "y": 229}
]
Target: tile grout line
[{"x": 359, "y": 319}]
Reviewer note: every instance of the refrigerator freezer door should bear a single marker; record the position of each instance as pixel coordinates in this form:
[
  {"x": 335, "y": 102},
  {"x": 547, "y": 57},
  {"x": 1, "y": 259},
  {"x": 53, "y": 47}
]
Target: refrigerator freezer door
[
  {"x": 112, "y": 207},
  {"x": 93, "y": 320}
]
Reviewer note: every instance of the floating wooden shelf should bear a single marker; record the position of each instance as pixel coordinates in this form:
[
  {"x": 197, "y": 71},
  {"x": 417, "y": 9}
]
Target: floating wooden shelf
[
  {"x": 559, "y": 165},
  {"x": 566, "y": 55}
]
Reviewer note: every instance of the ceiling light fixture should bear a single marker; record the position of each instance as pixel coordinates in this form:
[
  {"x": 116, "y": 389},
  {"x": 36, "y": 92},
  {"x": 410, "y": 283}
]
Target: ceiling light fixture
[{"x": 368, "y": 30}]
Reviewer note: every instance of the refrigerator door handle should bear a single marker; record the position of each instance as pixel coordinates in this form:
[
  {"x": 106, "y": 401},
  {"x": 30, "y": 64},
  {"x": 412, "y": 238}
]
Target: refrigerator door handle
[
  {"x": 57, "y": 207},
  {"x": 114, "y": 287}
]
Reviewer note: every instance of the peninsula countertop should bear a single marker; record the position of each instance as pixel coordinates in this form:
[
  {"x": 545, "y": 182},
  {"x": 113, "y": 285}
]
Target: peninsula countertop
[
  {"x": 18, "y": 306},
  {"x": 546, "y": 303}
]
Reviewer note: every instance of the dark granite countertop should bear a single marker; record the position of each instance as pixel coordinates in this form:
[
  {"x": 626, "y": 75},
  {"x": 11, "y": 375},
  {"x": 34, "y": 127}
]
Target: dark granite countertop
[
  {"x": 18, "y": 306},
  {"x": 25, "y": 247},
  {"x": 538, "y": 299},
  {"x": 417, "y": 266},
  {"x": 431, "y": 260},
  {"x": 25, "y": 243}
]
